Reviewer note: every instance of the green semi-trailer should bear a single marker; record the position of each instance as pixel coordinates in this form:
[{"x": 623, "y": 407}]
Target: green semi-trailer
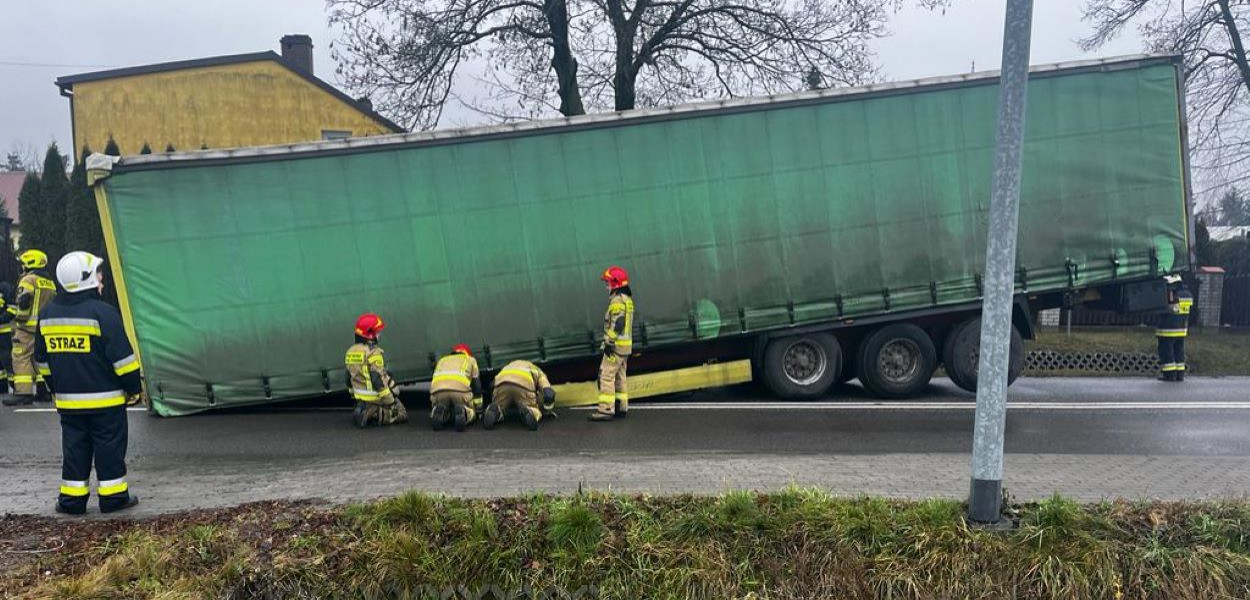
[{"x": 823, "y": 235}]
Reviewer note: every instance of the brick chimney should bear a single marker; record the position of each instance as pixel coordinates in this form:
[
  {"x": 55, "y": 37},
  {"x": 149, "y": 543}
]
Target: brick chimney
[{"x": 297, "y": 51}]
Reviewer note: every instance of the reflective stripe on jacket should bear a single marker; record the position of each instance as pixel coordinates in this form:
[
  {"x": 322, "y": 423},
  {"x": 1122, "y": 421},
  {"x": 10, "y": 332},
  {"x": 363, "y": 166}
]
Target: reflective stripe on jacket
[
  {"x": 454, "y": 373},
  {"x": 618, "y": 324}
]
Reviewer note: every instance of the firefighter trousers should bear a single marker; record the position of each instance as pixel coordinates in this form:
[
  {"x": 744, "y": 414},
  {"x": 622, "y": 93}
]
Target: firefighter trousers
[
  {"x": 99, "y": 439},
  {"x": 23, "y": 373},
  {"x": 613, "y": 385},
  {"x": 386, "y": 411},
  {"x": 6, "y": 361},
  {"x": 507, "y": 395},
  {"x": 451, "y": 399},
  {"x": 1171, "y": 354}
]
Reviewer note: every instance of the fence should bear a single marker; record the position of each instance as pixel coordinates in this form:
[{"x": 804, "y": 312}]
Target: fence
[{"x": 1235, "y": 308}]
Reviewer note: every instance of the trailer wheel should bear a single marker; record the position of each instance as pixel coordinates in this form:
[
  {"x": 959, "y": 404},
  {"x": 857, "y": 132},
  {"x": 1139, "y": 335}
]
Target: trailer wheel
[
  {"x": 897, "y": 361},
  {"x": 802, "y": 366},
  {"x": 962, "y": 352}
]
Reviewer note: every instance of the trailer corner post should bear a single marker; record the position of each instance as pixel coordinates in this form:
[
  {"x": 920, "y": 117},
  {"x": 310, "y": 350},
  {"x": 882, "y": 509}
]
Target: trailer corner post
[{"x": 985, "y": 496}]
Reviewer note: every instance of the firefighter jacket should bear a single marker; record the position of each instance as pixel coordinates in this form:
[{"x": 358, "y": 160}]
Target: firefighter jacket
[
  {"x": 366, "y": 373},
  {"x": 1175, "y": 322},
  {"x": 7, "y": 312},
  {"x": 618, "y": 325},
  {"x": 34, "y": 292},
  {"x": 82, "y": 351},
  {"x": 456, "y": 373},
  {"x": 524, "y": 374}
]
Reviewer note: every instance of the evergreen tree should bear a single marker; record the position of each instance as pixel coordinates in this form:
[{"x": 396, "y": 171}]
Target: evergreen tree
[
  {"x": 169, "y": 148},
  {"x": 146, "y": 149},
  {"x": 111, "y": 148},
  {"x": 13, "y": 162},
  {"x": 82, "y": 226},
  {"x": 30, "y": 212},
  {"x": 54, "y": 195}
]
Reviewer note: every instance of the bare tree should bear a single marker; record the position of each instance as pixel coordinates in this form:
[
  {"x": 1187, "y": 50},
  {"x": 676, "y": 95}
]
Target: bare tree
[
  {"x": 569, "y": 56},
  {"x": 1217, "y": 75}
]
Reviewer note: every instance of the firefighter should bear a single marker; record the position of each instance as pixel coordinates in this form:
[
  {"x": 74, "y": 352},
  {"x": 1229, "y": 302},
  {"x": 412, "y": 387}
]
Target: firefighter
[
  {"x": 519, "y": 384},
  {"x": 618, "y": 327},
  {"x": 377, "y": 396},
  {"x": 83, "y": 353},
  {"x": 34, "y": 292},
  {"x": 455, "y": 390},
  {"x": 1172, "y": 330},
  {"x": 6, "y": 341}
]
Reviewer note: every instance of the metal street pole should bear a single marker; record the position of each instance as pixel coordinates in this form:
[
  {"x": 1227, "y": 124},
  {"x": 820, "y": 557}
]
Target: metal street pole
[{"x": 985, "y": 497}]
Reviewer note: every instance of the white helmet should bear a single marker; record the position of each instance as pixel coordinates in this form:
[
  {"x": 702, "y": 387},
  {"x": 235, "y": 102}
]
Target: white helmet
[
  {"x": 79, "y": 271},
  {"x": 1173, "y": 279}
]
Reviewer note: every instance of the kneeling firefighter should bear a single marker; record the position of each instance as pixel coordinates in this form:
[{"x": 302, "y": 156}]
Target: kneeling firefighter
[
  {"x": 82, "y": 351},
  {"x": 377, "y": 398},
  {"x": 519, "y": 384},
  {"x": 455, "y": 390}
]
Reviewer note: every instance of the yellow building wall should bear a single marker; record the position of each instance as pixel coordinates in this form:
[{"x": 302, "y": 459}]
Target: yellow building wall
[{"x": 226, "y": 106}]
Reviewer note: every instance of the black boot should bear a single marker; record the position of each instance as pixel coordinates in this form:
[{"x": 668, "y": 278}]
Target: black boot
[
  {"x": 461, "y": 418},
  {"x": 358, "y": 416},
  {"x": 1167, "y": 376},
  {"x": 130, "y": 503},
  {"x": 15, "y": 400},
  {"x": 531, "y": 420},
  {"x": 1180, "y": 376},
  {"x": 492, "y": 416},
  {"x": 438, "y": 417}
]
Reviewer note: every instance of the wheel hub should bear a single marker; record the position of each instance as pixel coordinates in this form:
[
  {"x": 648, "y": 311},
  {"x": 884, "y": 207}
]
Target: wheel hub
[
  {"x": 804, "y": 362},
  {"x": 899, "y": 360}
]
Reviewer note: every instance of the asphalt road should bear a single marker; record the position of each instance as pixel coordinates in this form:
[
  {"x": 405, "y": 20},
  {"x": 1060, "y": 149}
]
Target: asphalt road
[
  {"x": 1066, "y": 416},
  {"x": 1088, "y": 438}
]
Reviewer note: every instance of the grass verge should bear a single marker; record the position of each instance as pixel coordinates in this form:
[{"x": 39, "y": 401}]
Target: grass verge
[
  {"x": 1207, "y": 352},
  {"x": 793, "y": 544}
]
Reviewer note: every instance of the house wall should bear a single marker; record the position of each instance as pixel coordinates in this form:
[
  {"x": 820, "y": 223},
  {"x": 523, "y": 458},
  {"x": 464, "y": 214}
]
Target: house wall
[{"x": 244, "y": 104}]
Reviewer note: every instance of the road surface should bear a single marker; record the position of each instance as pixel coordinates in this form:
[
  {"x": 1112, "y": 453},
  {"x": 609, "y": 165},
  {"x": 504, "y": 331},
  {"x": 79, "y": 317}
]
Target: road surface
[{"x": 1088, "y": 438}]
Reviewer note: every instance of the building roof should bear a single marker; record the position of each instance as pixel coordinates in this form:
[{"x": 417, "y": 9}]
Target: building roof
[
  {"x": 1220, "y": 233},
  {"x": 67, "y": 82},
  {"x": 10, "y": 186}
]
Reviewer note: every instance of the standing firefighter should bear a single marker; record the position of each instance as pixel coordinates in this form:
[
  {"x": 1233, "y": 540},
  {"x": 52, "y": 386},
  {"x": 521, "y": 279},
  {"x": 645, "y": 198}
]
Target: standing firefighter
[
  {"x": 455, "y": 390},
  {"x": 34, "y": 292},
  {"x": 519, "y": 384},
  {"x": 618, "y": 327},
  {"x": 1173, "y": 329},
  {"x": 83, "y": 353},
  {"x": 377, "y": 401},
  {"x": 6, "y": 342}
]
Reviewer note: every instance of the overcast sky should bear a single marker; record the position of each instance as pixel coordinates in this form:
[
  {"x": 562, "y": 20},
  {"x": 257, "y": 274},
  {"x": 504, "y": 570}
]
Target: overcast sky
[{"x": 40, "y": 41}]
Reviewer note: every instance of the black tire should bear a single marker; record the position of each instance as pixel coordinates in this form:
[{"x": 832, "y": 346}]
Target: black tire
[
  {"x": 956, "y": 373},
  {"x": 961, "y": 353},
  {"x": 802, "y": 366},
  {"x": 897, "y": 361}
]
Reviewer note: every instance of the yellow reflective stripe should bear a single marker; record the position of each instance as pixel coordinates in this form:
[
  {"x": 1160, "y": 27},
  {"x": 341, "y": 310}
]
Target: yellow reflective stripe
[
  {"x": 45, "y": 371},
  {"x": 73, "y": 490},
  {"x": 70, "y": 329},
  {"x": 23, "y": 379},
  {"x": 516, "y": 372},
  {"x": 112, "y": 490},
  {"x": 87, "y": 404},
  {"x": 458, "y": 377},
  {"x": 6, "y": 329},
  {"x": 1171, "y": 332},
  {"x": 130, "y": 368}
]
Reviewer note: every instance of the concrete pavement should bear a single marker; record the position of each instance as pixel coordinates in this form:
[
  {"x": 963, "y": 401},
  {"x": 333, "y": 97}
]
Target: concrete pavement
[{"x": 1087, "y": 438}]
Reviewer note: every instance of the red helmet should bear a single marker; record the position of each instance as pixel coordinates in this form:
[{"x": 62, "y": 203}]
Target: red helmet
[
  {"x": 369, "y": 325},
  {"x": 461, "y": 349},
  {"x": 615, "y": 277}
]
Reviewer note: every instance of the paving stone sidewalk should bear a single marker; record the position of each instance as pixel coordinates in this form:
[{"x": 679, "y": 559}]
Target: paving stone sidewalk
[{"x": 30, "y": 485}]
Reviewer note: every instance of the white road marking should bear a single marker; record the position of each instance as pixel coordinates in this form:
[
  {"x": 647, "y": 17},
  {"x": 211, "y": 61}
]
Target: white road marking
[
  {"x": 965, "y": 406},
  {"x": 48, "y": 410}
]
